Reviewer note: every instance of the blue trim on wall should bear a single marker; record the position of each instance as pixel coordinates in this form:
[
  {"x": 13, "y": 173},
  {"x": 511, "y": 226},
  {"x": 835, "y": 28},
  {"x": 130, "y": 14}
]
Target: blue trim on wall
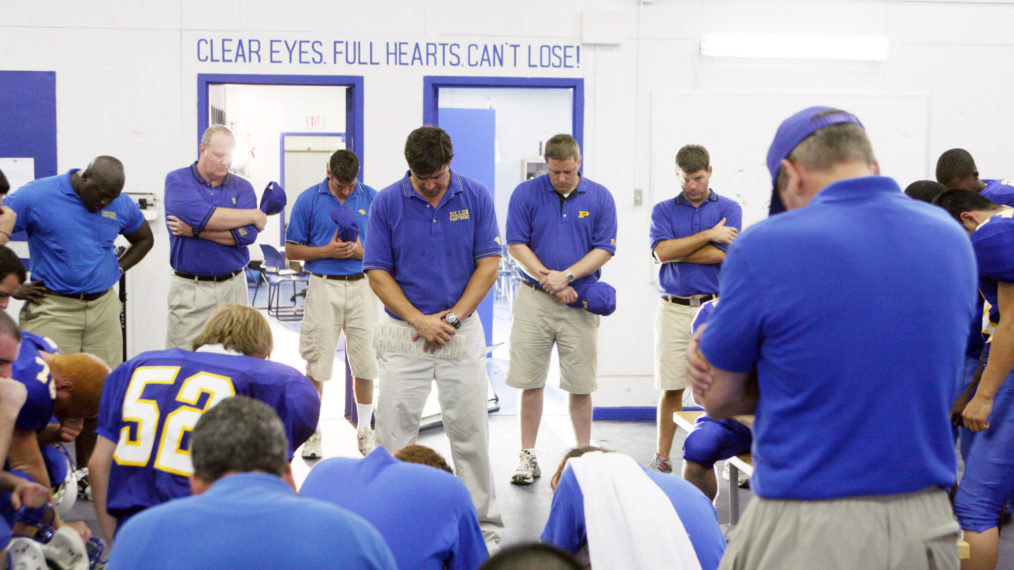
[
  {"x": 433, "y": 83},
  {"x": 626, "y": 413},
  {"x": 354, "y": 100},
  {"x": 281, "y": 170},
  {"x": 622, "y": 413}
]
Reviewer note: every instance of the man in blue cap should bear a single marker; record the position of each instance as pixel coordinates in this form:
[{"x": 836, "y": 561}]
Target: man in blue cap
[
  {"x": 327, "y": 230},
  {"x": 212, "y": 216},
  {"x": 840, "y": 311},
  {"x": 689, "y": 237}
]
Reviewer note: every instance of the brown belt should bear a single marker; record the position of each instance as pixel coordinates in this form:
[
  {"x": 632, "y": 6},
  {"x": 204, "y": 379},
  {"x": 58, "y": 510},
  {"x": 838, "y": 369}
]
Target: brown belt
[
  {"x": 350, "y": 277},
  {"x": 216, "y": 278},
  {"x": 536, "y": 287},
  {"x": 695, "y": 301}
]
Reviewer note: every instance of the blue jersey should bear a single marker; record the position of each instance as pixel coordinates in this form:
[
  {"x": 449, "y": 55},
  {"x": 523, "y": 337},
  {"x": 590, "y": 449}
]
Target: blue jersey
[
  {"x": 32, "y": 371},
  {"x": 425, "y": 514},
  {"x": 566, "y": 527},
  {"x": 151, "y": 403},
  {"x": 993, "y": 242},
  {"x": 1000, "y": 191}
]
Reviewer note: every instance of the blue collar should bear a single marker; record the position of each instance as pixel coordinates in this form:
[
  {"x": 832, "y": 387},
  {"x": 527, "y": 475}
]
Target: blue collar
[
  {"x": 581, "y": 188},
  {"x": 453, "y": 189},
  {"x": 66, "y": 187},
  {"x": 199, "y": 178},
  {"x": 852, "y": 189},
  {"x": 712, "y": 197}
]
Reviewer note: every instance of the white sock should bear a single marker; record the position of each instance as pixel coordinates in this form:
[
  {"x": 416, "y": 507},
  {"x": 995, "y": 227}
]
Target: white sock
[{"x": 365, "y": 412}]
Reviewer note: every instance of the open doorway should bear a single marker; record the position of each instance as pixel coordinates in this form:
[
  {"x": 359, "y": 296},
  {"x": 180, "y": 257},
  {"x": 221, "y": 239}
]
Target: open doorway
[
  {"x": 504, "y": 123},
  {"x": 286, "y": 128}
]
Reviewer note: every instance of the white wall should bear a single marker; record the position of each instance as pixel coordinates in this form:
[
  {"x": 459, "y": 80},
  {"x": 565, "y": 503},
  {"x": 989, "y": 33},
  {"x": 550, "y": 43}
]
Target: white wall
[{"x": 126, "y": 85}]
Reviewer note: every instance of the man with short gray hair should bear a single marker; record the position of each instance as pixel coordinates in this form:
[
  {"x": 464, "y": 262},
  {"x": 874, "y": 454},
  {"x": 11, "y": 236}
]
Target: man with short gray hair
[
  {"x": 212, "y": 217},
  {"x": 244, "y": 512},
  {"x": 840, "y": 312},
  {"x": 561, "y": 229}
]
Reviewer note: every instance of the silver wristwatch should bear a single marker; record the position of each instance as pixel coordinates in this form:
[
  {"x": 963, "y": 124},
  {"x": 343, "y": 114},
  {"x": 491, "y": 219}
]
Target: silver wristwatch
[{"x": 452, "y": 320}]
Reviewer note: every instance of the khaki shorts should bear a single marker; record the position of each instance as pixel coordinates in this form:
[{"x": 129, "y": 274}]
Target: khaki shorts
[
  {"x": 331, "y": 306},
  {"x": 909, "y": 530},
  {"x": 672, "y": 333},
  {"x": 540, "y": 320}
]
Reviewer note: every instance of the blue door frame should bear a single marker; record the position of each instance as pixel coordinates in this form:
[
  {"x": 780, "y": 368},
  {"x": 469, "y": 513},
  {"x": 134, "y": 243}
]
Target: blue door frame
[{"x": 433, "y": 83}]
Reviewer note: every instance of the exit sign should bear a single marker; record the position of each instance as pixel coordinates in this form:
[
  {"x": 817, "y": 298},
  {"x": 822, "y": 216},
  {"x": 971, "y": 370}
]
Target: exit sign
[{"x": 314, "y": 121}]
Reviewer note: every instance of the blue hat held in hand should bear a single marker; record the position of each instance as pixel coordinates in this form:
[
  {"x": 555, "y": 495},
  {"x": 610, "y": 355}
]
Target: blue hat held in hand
[
  {"x": 273, "y": 199},
  {"x": 348, "y": 225},
  {"x": 596, "y": 297}
]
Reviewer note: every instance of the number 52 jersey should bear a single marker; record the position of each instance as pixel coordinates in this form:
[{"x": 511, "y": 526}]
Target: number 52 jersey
[{"x": 151, "y": 403}]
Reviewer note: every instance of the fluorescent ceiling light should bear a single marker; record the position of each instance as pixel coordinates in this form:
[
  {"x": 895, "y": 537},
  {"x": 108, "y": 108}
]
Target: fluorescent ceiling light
[{"x": 860, "y": 48}]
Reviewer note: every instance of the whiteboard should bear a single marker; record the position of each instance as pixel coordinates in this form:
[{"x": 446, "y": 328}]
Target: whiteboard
[{"x": 737, "y": 129}]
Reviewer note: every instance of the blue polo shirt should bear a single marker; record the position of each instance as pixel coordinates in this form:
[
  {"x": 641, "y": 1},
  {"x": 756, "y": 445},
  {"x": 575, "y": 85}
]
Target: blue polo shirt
[
  {"x": 249, "y": 520},
  {"x": 192, "y": 199},
  {"x": 310, "y": 224},
  {"x": 71, "y": 249},
  {"x": 678, "y": 218},
  {"x": 431, "y": 252},
  {"x": 854, "y": 311},
  {"x": 566, "y": 528},
  {"x": 561, "y": 233},
  {"x": 425, "y": 513}
]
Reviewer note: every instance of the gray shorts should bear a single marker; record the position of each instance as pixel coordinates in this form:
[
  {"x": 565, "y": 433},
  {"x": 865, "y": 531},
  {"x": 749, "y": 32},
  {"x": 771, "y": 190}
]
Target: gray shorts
[{"x": 909, "y": 530}]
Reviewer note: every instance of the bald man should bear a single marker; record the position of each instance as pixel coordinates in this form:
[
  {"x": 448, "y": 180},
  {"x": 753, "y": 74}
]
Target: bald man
[{"x": 72, "y": 220}]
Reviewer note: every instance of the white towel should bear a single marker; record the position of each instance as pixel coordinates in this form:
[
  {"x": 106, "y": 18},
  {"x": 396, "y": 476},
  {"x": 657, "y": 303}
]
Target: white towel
[{"x": 630, "y": 521}]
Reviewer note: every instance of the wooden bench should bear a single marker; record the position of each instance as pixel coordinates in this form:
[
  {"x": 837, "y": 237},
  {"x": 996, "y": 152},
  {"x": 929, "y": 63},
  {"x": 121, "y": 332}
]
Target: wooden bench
[{"x": 744, "y": 463}]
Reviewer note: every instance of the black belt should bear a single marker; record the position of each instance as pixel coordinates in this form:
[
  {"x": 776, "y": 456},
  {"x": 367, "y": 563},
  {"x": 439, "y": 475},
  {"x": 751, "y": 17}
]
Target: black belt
[
  {"x": 80, "y": 296},
  {"x": 349, "y": 277},
  {"x": 689, "y": 301},
  {"x": 536, "y": 287},
  {"x": 216, "y": 278}
]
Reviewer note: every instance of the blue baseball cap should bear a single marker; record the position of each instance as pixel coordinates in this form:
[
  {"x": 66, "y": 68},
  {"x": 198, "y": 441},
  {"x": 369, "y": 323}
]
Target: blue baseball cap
[
  {"x": 793, "y": 131},
  {"x": 273, "y": 199},
  {"x": 348, "y": 226},
  {"x": 594, "y": 296}
]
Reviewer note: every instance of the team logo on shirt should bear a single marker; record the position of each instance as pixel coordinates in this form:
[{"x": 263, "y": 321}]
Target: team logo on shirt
[
  {"x": 362, "y": 211},
  {"x": 234, "y": 201},
  {"x": 583, "y": 214},
  {"x": 497, "y": 240},
  {"x": 108, "y": 214},
  {"x": 459, "y": 215},
  {"x": 242, "y": 231}
]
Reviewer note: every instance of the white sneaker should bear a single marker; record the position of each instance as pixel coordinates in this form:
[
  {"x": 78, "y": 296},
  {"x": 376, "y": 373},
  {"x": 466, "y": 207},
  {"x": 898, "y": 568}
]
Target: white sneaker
[
  {"x": 311, "y": 449},
  {"x": 527, "y": 470},
  {"x": 25, "y": 554},
  {"x": 367, "y": 441}
]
